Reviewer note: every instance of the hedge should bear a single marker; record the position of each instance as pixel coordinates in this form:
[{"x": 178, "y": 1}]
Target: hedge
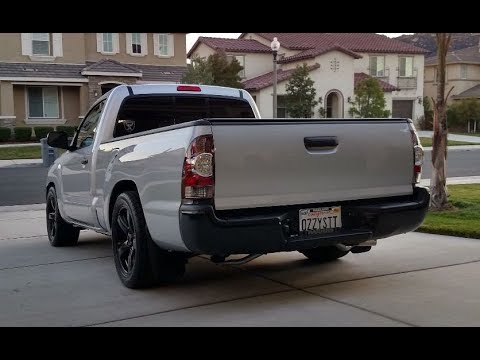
[
  {"x": 42, "y": 131},
  {"x": 70, "y": 130},
  {"x": 22, "y": 134},
  {"x": 5, "y": 134}
]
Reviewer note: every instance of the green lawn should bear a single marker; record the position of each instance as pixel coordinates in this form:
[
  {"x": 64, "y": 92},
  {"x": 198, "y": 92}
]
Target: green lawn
[
  {"x": 20, "y": 152},
  {"x": 463, "y": 220},
  {"x": 426, "y": 141}
]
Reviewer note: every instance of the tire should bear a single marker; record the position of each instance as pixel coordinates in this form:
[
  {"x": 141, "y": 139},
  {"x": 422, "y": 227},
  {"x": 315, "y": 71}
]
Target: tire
[
  {"x": 60, "y": 233},
  {"x": 139, "y": 262},
  {"x": 324, "y": 253}
]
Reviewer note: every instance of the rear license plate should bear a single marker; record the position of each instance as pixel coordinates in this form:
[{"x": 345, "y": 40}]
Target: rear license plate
[{"x": 320, "y": 220}]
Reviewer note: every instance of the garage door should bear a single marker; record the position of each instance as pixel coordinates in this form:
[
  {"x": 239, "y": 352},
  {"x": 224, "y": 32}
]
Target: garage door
[{"x": 402, "y": 109}]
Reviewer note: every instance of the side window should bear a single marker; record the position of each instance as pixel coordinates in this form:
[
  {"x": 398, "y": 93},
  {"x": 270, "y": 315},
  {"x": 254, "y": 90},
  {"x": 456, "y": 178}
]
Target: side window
[
  {"x": 86, "y": 132},
  {"x": 144, "y": 113}
]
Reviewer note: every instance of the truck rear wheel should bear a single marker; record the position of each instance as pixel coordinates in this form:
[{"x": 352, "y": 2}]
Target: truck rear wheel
[
  {"x": 139, "y": 261},
  {"x": 324, "y": 253},
  {"x": 60, "y": 233}
]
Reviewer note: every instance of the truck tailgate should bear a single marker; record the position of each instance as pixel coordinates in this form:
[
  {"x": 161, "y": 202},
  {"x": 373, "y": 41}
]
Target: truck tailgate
[{"x": 263, "y": 163}]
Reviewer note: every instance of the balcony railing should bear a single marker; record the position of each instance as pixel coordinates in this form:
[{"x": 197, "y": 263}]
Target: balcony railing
[{"x": 407, "y": 82}]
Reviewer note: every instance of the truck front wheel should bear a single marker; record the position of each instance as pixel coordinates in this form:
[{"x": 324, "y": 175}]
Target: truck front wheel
[
  {"x": 324, "y": 253},
  {"x": 139, "y": 261}
]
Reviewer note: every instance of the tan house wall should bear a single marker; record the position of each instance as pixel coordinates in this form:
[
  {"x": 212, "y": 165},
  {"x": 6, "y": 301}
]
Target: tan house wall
[
  {"x": 76, "y": 49},
  {"x": 150, "y": 58},
  {"x": 6, "y": 97},
  {"x": 72, "y": 44},
  {"x": 20, "y": 103},
  {"x": 71, "y": 104},
  {"x": 203, "y": 51},
  {"x": 453, "y": 79},
  {"x": 79, "y": 47}
]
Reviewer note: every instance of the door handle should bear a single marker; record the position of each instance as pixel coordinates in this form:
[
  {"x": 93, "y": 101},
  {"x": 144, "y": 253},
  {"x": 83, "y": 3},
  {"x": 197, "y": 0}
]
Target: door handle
[
  {"x": 84, "y": 161},
  {"x": 317, "y": 142}
]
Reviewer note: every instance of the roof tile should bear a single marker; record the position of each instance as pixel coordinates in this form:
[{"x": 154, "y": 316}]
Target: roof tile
[
  {"x": 312, "y": 53},
  {"x": 357, "y": 42},
  {"x": 466, "y": 55},
  {"x": 473, "y": 92},
  {"x": 385, "y": 85},
  {"x": 41, "y": 70},
  {"x": 266, "y": 80},
  {"x": 231, "y": 45},
  {"x": 109, "y": 65}
]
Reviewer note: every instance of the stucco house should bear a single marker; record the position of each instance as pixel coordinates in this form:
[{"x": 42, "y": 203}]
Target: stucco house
[
  {"x": 463, "y": 73},
  {"x": 52, "y": 78},
  {"x": 336, "y": 62}
]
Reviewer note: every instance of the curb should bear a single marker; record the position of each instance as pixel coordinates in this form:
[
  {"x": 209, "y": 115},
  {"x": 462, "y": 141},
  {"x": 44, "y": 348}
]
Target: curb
[
  {"x": 16, "y": 208},
  {"x": 20, "y": 162}
]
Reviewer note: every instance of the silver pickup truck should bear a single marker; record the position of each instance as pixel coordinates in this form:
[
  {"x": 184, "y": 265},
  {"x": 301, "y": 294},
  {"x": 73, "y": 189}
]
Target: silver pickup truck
[{"x": 175, "y": 171}]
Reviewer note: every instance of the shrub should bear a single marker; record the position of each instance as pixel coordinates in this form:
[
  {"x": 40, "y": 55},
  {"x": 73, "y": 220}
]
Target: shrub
[
  {"x": 5, "y": 134},
  {"x": 70, "y": 130},
  {"x": 427, "y": 122},
  {"x": 22, "y": 134},
  {"x": 42, "y": 131}
]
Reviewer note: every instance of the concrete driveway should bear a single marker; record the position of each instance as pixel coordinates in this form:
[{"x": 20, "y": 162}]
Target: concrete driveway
[{"x": 408, "y": 280}]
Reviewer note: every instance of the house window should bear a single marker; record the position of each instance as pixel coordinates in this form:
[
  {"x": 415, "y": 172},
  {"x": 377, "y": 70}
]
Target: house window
[
  {"x": 108, "y": 42},
  {"x": 406, "y": 66},
  {"x": 241, "y": 60},
  {"x": 163, "y": 44},
  {"x": 41, "y": 44},
  {"x": 136, "y": 43},
  {"x": 281, "y": 106},
  {"x": 463, "y": 71},
  {"x": 377, "y": 66},
  {"x": 43, "y": 102}
]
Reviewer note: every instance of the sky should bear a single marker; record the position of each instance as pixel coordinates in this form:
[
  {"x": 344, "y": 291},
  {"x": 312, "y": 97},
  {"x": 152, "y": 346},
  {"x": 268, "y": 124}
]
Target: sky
[{"x": 192, "y": 37}]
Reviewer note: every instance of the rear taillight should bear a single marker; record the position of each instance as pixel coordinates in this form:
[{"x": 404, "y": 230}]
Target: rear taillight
[
  {"x": 198, "y": 178},
  {"x": 418, "y": 155}
]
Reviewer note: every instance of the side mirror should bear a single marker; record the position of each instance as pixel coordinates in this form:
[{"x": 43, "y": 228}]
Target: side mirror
[{"x": 58, "y": 139}]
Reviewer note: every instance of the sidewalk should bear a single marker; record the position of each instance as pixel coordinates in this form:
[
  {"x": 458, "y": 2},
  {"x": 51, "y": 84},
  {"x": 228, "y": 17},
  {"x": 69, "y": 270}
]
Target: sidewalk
[
  {"x": 457, "y": 148},
  {"x": 19, "y": 145},
  {"x": 19, "y": 162},
  {"x": 455, "y": 180},
  {"x": 454, "y": 137}
]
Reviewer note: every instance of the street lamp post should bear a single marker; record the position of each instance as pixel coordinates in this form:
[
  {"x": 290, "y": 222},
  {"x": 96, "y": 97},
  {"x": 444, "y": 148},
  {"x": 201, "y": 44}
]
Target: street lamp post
[{"x": 275, "y": 45}]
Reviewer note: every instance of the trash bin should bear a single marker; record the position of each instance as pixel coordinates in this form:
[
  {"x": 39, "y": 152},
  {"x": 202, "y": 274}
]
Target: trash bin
[{"x": 49, "y": 154}]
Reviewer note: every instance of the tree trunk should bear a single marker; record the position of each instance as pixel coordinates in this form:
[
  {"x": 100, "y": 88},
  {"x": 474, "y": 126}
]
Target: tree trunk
[{"x": 438, "y": 181}]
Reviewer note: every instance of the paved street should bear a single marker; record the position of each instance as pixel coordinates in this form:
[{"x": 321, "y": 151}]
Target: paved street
[
  {"x": 407, "y": 280},
  {"x": 22, "y": 185},
  {"x": 460, "y": 163},
  {"x": 25, "y": 184}
]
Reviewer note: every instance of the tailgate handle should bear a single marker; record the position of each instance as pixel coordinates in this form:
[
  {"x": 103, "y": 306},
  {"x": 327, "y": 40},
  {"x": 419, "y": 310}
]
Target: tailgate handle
[{"x": 316, "y": 142}]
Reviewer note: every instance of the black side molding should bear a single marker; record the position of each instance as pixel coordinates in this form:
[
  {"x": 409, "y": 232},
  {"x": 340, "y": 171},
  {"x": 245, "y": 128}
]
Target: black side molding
[{"x": 316, "y": 142}]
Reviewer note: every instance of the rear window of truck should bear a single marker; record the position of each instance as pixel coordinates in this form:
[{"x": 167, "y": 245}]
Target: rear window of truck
[{"x": 142, "y": 113}]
